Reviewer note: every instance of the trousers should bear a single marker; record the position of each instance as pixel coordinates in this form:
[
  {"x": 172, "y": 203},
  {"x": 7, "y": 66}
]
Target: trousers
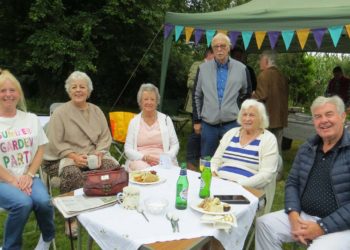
[
  {"x": 273, "y": 229},
  {"x": 19, "y": 206}
]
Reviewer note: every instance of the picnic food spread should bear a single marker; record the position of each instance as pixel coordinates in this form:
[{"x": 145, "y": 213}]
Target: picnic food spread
[
  {"x": 145, "y": 176},
  {"x": 214, "y": 205}
]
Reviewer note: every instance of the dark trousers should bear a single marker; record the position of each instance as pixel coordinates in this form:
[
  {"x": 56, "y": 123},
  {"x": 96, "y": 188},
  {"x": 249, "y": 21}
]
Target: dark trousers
[{"x": 193, "y": 148}]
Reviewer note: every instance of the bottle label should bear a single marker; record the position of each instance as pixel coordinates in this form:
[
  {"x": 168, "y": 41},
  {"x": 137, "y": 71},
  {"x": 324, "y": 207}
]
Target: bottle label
[
  {"x": 183, "y": 194},
  {"x": 202, "y": 183}
]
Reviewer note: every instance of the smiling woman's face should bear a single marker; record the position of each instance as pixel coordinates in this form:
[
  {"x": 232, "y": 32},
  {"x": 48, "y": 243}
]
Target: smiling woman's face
[
  {"x": 79, "y": 92},
  {"x": 250, "y": 119},
  {"x": 9, "y": 95},
  {"x": 148, "y": 101}
]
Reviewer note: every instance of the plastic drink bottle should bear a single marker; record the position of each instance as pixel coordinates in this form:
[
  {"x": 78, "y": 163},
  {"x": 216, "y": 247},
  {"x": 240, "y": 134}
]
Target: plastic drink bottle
[
  {"x": 182, "y": 188},
  {"x": 204, "y": 190}
]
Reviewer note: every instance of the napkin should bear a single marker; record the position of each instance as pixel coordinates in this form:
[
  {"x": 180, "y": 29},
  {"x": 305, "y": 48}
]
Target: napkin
[{"x": 222, "y": 221}]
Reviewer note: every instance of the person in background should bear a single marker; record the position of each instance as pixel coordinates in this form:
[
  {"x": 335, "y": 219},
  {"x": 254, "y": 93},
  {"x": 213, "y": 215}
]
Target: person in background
[
  {"x": 339, "y": 85},
  {"x": 272, "y": 90},
  {"x": 317, "y": 191},
  {"x": 248, "y": 154},
  {"x": 77, "y": 129},
  {"x": 22, "y": 140},
  {"x": 238, "y": 54},
  {"x": 150, "y": 133},
  {"x": 194, "y": 140},
  {"x": 219, "y": 84}
]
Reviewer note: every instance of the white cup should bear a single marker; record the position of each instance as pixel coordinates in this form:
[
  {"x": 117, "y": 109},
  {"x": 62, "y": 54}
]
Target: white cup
[
  {"x": 92, "y": 161},
  {"x": 129, "y": 198}
]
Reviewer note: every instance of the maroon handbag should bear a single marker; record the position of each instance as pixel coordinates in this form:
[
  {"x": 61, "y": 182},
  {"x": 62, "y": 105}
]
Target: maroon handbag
[{"x": 105, "y": 182}]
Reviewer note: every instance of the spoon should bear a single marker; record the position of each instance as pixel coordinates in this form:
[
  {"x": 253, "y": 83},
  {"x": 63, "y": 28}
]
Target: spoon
[
  {"x": 140, "y": 210},
  {"x": 169, "y": 216}
]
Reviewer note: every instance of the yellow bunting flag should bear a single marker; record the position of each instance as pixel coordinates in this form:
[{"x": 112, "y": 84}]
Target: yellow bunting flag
[
  {"x": 188, "y": 32},
  {"x": 302, "y": 36},
  {"x": 347, "y": 27},
  {"x": 259, "y": 37},
  {"x": 222, "y": 31}
]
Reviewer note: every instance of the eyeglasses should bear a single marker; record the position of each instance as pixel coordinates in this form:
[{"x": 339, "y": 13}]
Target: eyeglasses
[{"x": 221, "y": 46}]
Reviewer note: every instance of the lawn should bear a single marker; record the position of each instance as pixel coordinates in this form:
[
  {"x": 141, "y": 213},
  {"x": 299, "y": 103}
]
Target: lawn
[{"x": 31, "y": 234}]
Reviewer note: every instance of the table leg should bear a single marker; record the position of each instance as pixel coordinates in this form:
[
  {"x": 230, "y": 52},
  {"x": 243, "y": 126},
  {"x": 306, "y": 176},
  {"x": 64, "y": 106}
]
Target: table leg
[{"x": 70, "y": 233}]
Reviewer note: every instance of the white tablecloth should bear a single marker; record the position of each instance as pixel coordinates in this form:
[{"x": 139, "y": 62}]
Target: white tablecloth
[{"x": 117, "y": 228}]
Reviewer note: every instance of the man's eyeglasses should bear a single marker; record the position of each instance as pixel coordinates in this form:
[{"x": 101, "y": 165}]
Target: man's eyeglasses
[{"x": 221, "y": 46}]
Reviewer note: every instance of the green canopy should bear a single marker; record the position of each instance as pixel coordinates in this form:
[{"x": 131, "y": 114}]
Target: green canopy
[{"x": 269, "y": 15}]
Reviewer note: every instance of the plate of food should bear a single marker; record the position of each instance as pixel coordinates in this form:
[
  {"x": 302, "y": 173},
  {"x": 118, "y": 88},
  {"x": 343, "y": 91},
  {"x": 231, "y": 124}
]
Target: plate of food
[
  {"x": 212, "y": 206},
  {"x": 145, "y": 177}
]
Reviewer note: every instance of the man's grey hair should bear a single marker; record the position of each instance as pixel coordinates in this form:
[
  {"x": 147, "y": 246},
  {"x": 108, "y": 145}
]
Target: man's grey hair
[
  {"x": 78, "y": 75},
  {"x": 271, "y": 57},
  {"x": 147, "y": 87},
  {"x": 223, "y": 37},
  {"x": 335, "y": 100},
  {"x": 260, "y": 107}
]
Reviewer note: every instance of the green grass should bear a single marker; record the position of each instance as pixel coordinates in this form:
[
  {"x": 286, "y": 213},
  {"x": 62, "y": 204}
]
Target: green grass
[{"x": 32, "y": 233}]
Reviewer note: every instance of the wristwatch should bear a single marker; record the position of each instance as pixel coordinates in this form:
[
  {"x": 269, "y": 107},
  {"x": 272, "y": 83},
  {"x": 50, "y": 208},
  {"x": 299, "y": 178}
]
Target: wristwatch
[{"x": 30, "y": 174}]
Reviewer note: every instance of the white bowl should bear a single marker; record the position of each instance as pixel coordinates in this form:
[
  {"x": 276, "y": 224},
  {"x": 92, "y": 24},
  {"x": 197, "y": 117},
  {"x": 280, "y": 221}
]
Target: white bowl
[{"x": 156, "y": 205}]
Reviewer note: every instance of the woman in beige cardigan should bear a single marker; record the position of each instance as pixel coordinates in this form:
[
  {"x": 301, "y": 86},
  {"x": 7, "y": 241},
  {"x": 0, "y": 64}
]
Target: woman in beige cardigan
[{"x": 77, "y": 129}]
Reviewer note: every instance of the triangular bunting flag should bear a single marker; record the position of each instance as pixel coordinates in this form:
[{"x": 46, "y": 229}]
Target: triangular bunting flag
[
  {"x": 302, "y": 36},
  {"x": 259, "y": 37},
  {"x": 233, "y": 35},
  {"x": 318, "y": 36},
  {"x": 167, "y": 29},
  {"x": 222, "y": 31},
  {"x": 335, "y": 33},
  {"x": 273, "y": 38},
  {"x": 178, "y": 31},
  {"x": 198, "y": 33},
  {"x": 347, "y": 27},
  {"x": 209, "y": 34},
  {"x": 188, "y": 33},
  {"x": 246, "y": 35},
  {"x": 287, "y": 36}
]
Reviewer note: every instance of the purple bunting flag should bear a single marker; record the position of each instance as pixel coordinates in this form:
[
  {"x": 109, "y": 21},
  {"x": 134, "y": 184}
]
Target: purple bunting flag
[
  {"x": 167, "y": 29},
  {"x": 318, "y": 35},
  {"x": 198, "y": 33},
  {"x": 233, "y": 35},
  {"x": 273, "y": 38}
]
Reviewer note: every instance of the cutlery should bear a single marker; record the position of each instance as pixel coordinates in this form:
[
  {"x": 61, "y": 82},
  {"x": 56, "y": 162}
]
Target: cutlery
[
  {"x": 140, "y": 210},
  {"x": 169, "y": 216},
  {"x": 176, "y": 222}
]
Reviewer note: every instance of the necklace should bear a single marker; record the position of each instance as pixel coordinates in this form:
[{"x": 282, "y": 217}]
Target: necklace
[{"x": 149, "y": 120}]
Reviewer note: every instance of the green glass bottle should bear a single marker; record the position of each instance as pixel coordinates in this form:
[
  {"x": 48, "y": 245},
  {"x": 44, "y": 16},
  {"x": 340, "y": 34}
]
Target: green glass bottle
[
  {"x": 204, "y": 190},
  {"x": 182, "y": 188}
]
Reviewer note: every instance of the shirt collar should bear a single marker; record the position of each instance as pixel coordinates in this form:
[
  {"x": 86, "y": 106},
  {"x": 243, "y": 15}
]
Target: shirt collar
[{"x": 220, "y": 65}]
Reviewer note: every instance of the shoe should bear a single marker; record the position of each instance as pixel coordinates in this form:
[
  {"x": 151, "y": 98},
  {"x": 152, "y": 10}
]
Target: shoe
[
  {"x": 74, "y": 228},
  {"x": 42, "y": 245}
]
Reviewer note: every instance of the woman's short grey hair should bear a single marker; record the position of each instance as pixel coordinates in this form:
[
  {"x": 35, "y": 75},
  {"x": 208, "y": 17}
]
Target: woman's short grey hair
[
  {"x": 260, "y": 107},
  {"x": 78, "y": 75},
  {"x": 147, "y": 87},
  {"x": 321, "y": 100}
]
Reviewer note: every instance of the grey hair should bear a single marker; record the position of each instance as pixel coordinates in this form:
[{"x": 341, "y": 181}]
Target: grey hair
[
  {"x": 147, "y": 87},
  {"x": 78, "y": 75},
  {"x": 223, "y": 37},
  {"x": 335, "y": 100},
  {"x": 270, "y": 55},
  {"x": 260, "y": 107}
]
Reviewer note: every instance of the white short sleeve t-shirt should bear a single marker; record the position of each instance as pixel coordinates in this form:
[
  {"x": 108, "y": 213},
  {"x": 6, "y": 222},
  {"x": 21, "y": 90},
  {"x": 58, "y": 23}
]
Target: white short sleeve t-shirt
[{"x": 20, "y": 137}]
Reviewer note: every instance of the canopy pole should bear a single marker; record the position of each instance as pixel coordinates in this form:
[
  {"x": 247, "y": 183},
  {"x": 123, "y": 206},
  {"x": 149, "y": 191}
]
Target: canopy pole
[{"x": 165, "y": 60}]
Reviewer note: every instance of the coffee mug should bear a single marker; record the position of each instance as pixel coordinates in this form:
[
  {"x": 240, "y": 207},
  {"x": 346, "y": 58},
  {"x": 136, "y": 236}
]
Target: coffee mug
[
  {"x": 129, "y": 198},
  {"x": 92, "y": 161}
]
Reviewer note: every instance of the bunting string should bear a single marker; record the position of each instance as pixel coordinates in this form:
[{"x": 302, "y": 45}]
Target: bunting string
[{"x": 302, "y": 35}]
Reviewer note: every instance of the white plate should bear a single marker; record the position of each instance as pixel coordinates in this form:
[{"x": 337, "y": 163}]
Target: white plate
[
  {"x": 198, "y": 209},
  {"x": 161, "y": 180}
]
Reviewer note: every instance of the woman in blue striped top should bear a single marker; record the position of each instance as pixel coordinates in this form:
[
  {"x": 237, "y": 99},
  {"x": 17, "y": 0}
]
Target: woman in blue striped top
[{"x": 248, "y": 154}]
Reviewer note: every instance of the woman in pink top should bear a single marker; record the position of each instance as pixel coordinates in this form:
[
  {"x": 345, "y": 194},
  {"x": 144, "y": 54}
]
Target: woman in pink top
[{"x": 150, "y": 133}]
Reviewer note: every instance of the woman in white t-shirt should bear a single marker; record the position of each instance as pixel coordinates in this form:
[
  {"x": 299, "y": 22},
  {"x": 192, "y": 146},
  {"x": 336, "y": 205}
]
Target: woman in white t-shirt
[{"x": 22, "y": 142}]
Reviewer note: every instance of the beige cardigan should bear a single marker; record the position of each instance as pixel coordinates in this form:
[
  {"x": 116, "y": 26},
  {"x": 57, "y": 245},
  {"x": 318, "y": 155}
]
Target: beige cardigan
[{"x": 68, "y": 131}]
